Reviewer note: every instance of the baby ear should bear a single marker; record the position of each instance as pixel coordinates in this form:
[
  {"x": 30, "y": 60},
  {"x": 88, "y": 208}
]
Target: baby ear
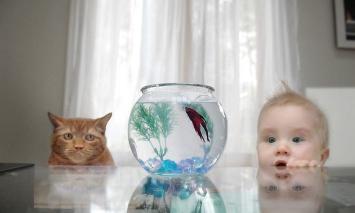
[
  {"x": 55, "y": 120},
  {"x": 102, "y": 122},
  {"x": 324, "y": 155}
]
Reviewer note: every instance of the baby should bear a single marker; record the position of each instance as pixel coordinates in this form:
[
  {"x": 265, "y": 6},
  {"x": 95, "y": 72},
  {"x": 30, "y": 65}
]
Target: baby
[{"x": 292, "y": 132}]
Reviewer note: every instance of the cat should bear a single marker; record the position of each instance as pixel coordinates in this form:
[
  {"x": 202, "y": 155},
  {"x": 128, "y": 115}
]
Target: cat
[{"x": 79, "y": 141}]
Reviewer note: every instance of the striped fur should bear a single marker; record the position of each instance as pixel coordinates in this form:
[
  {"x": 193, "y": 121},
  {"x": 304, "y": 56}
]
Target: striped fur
[{"x": 79, "y": 141}]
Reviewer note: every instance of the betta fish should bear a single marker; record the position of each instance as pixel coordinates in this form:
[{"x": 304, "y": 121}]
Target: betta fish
[{"x": 197, "y": 121}]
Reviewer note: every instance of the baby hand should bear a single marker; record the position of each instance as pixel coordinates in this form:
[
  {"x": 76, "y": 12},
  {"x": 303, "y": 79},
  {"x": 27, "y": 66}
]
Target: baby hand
[{"x": 302, "y": 163}]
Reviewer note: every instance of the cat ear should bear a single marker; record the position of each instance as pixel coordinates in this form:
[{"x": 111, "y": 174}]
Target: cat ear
[
  {"x": 102, "y": 122},
  {"x": 55, "y": 120}
]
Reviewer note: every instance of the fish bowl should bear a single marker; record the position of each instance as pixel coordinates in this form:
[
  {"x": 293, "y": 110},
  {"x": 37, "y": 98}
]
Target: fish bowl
[{"x": 177, "y": 129}]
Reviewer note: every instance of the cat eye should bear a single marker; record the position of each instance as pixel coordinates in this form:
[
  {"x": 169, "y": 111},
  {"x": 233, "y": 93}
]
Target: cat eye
[
  {"x": 89, "y": 137},
  {"x": 68, "y": 136}
]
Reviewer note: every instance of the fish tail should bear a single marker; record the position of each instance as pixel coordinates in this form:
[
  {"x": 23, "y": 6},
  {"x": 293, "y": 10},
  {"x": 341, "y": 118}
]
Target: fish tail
[
  {"x": 198, "y": 131},
  {"x": 205, "y": 128}
]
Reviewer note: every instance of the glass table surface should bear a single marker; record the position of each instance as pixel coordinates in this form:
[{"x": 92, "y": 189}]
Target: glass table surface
[{"x": 223, "y": 189}]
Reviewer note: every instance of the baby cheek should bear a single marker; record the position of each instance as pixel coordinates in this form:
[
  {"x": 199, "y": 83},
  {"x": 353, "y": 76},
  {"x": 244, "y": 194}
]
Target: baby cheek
[
  {"x": 264, "y": 152},
  {"x": 308, "y": 152}
]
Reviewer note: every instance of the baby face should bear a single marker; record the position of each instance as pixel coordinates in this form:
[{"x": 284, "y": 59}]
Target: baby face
[{"x": 288, "y": 134}]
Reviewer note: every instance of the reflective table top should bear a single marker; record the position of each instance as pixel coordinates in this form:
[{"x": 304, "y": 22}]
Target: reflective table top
[{"x": 131, "y": 189}]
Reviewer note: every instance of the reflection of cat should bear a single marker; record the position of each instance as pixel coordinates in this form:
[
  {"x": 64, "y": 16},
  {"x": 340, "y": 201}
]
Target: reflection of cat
[
  {"x": 73, "y": 187},
  {"x": 79, "y": 141}
]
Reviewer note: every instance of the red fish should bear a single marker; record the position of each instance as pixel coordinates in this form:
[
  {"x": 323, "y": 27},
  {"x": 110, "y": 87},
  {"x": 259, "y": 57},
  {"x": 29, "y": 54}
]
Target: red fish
[{"x": 197, "y": 121}]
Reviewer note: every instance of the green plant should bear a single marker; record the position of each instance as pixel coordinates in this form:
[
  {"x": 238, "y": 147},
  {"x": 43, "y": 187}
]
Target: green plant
[
  {"x": 153, "y": 121},
  {"x": 163, "y": 111}
]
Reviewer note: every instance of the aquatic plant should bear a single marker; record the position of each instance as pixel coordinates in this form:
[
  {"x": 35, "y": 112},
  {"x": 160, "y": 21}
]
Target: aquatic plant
[
  {"x": 153, "y": 122},
  {"x": 163, "y": 111}
]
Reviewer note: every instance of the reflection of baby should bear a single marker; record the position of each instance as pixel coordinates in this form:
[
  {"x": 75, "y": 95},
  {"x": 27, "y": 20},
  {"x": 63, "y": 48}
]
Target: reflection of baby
[
  {"x": 290, "y": 190},
  {"x": 292, "y": 132}
]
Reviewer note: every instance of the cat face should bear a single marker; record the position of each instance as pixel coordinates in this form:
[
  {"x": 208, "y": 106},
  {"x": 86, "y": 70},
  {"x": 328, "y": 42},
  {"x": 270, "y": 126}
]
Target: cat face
[{"x": 78, "y": 140}]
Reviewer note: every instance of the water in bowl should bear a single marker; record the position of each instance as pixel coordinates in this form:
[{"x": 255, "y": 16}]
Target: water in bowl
[{"x": 173, "y": 138}]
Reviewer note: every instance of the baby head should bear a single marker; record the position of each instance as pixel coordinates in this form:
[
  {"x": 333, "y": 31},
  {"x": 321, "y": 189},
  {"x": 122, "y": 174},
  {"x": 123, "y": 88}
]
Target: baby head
[{"x": 292, "y": 131}]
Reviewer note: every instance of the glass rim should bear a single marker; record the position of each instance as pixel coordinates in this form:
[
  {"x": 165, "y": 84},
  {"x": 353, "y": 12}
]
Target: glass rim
[{"x": 176, "y": 84}]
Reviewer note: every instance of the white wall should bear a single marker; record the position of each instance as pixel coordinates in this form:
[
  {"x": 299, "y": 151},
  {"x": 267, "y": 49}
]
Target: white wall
[
  {"x": 338, "y": 104},
  {"x": 324, "y": 70},
  {"x": 322, "y": 64},
  {"x": 33, "y": 36}
]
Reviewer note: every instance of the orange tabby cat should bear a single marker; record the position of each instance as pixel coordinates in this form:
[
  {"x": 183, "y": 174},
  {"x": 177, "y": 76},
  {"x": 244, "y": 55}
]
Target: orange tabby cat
[{"x": 79, "y": 141}]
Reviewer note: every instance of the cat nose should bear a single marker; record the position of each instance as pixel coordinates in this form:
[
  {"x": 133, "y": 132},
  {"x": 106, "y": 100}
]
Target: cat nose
[{"x": 78, "y": 146}]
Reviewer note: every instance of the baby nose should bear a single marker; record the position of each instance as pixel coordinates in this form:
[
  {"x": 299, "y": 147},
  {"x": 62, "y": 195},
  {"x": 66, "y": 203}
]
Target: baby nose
[{"x": 282, "y": 150}]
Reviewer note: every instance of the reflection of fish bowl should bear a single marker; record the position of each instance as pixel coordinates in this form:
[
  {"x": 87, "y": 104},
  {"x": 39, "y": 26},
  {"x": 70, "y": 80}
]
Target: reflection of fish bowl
[
  {"x": 177, "y": 129},
  {"x": 188, "y": 194}
]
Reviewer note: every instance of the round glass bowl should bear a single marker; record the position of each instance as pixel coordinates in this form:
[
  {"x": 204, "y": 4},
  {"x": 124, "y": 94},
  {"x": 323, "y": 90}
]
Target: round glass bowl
[{"x": 177, "y": 129}]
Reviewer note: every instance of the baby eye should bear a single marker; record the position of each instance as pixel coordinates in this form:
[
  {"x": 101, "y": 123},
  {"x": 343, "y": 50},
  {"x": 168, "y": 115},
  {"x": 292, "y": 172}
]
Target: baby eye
[
  {"x": 271, "y": 140},
  {"x": 68, "y": 136},
  {"x": 297, "y": 139},
  {"x": 89, "y": 137},
  {"x": 298, "y": 188}
]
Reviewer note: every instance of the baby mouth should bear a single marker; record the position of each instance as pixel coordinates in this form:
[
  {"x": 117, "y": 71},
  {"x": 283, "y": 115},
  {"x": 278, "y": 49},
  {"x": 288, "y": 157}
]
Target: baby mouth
[{"x": 280, "y": 163}]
